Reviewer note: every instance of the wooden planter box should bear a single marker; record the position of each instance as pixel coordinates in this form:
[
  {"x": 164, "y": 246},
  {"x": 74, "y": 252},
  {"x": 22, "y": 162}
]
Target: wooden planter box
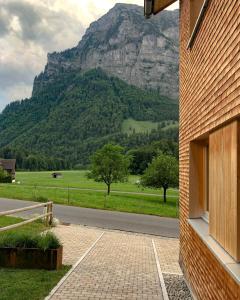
[{"x": 31, "y": 258}]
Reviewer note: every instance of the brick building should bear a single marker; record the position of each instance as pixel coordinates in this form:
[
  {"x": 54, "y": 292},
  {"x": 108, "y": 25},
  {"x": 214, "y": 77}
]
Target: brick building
[{"x": 209, "y": 145}]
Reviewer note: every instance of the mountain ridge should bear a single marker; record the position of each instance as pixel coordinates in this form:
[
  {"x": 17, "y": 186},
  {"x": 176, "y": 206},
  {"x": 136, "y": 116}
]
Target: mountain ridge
[{"x": 141, "y": 52}]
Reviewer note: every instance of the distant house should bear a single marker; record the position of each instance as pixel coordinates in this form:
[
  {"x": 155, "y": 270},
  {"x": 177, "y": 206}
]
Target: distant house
[
  {"x": 56, "y": 175},
  {"x": 9, "y": 165}
]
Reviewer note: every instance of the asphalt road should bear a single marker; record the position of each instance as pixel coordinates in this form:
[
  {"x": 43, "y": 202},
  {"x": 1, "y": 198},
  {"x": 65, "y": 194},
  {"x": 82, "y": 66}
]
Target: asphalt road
[{"x": 138, "y": 223}]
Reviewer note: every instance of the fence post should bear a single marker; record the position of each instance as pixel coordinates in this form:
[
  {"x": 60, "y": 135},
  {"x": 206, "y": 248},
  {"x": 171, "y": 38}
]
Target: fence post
[
  {"x": 51, "y": 211},
  {"x": 49, "y": 218}
]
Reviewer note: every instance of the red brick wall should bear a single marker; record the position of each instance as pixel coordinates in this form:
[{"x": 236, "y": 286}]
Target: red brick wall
[{"x": 209, "y": 97}]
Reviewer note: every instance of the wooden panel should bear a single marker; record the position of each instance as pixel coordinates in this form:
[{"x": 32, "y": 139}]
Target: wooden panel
[
  {"x": 197, "y": 174},
  {"x": 159, "y": 5},
  {"x": 223, "y": 194}
]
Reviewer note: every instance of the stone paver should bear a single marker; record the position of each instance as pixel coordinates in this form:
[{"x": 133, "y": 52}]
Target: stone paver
[
  {"x": 120, "y": 266},
  {"x": 168, "y": 253},
  {"x": 76, "y": 240}
]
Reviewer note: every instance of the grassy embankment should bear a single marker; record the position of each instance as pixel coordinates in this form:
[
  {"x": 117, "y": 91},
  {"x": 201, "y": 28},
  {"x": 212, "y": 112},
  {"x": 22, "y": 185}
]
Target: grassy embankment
[{"x": 40, "y": 186}]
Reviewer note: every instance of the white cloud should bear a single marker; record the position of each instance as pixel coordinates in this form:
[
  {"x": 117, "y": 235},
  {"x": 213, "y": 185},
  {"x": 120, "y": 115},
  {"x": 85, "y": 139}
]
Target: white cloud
[{"x": 29, "y": 29}]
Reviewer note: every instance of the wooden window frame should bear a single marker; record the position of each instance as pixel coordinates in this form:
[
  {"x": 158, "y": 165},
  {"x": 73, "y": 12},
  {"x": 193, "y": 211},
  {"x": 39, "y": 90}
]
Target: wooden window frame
[
  {"x": 198, "y": 22},
  {"x": 198, "y": 179},
  {"x": 214, "y": 179},
  {"x": 205, "y": 215}
]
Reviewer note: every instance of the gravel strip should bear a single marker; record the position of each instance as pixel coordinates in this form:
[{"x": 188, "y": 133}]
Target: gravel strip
[{"x": 176, "y": 287}]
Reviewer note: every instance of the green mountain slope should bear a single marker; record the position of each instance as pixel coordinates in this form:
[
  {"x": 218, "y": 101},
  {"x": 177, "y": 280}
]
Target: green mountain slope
[{"x": 75, "y": 113}]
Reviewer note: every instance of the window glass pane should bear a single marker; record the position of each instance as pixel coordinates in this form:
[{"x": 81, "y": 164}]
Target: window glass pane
[{"x": 195, "y": 9}]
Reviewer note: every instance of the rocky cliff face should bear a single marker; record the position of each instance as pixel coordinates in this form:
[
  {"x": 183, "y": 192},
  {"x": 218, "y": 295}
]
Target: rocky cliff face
[{"x": 141, "y": 52}]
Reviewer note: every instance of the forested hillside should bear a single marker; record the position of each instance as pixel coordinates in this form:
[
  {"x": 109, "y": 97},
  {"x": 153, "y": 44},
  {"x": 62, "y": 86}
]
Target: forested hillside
[{"x": 75, "y": 114}]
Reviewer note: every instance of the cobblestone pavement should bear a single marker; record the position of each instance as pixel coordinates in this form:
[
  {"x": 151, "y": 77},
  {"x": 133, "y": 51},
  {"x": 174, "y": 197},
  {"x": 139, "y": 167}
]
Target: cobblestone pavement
[
  {"x": 168, "y": 252},
  {"x": 76, "y": 241},
  {"x": 119, "y": 266}
]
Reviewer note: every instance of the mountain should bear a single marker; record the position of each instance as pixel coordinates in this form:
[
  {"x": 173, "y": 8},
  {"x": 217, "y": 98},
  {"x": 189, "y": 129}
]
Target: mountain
[
  {"x": 77, "y": 113},
  {"x": 141, "y": 52},
  {"x": 93, "y": 94}
]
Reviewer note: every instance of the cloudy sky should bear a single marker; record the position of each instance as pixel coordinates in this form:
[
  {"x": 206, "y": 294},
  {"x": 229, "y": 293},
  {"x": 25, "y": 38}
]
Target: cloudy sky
[{"x": 29, "y": 29}]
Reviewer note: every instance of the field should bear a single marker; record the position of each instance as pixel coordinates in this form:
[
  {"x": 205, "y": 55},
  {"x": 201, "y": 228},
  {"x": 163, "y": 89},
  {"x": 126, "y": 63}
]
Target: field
[
  {"x": 27, "y": 284},
  {"x": 75, "y": 189},
  {"x": 131, "y": 126}
]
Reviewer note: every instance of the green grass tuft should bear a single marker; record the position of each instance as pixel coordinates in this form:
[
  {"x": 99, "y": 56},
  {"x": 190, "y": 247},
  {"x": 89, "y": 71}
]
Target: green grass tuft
[{"x": 17, "y": 239}]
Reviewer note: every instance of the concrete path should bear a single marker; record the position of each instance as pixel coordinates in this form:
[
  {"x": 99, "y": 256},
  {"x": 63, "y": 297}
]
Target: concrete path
[
  {"x": 138, "y": 223},
  {"x": 114, "y": 265}
]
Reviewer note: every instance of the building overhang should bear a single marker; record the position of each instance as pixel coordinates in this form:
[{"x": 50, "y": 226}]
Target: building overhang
[{"x": 152, "y": 7}]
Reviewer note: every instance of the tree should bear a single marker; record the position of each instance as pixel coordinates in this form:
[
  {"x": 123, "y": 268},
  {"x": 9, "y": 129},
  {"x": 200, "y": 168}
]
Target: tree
[
  {"x": 161, "y": 173},
  {"x": 109, "y": 165},
  {"x": 4, "y": 176},
  {"x": 141, "y": 157}
]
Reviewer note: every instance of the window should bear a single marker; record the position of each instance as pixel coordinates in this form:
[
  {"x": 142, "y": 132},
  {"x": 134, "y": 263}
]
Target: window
[
  {"x": 206, "y": 184},
  {"x": 197, "y": 10},
  {"x": 214, "y": 185},
  {"x": 199, "y": 178}
]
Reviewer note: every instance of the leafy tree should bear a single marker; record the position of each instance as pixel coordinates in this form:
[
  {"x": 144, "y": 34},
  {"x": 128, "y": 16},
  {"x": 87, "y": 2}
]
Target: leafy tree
[
  {"x": 141, "y": 157},
  {"x": 4, "y": 176},
  {"x": 109, "y": 165},
  {"x": 161, "y": 173}
]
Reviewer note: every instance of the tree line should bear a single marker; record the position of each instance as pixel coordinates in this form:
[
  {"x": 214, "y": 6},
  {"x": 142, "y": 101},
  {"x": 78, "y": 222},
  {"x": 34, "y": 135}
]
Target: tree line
[{"x": 142, "y": 147}]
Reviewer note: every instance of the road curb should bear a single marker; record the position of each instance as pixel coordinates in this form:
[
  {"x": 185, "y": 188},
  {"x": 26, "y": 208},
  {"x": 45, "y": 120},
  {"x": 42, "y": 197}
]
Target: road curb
[{"x": 160, "y": 274}]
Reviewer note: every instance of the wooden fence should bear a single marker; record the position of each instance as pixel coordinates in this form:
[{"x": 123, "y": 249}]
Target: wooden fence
[{"x": 48, "y": 215}]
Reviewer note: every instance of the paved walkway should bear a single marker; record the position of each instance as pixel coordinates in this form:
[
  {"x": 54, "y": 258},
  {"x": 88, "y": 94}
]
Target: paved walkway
[{"x": 114, "y": 265}]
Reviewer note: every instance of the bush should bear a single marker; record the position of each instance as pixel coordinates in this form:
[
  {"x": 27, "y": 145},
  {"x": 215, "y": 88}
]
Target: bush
[
  {"x": 5, "y": 177},
  {"x": 48, "y": 241},
  {"x": 43, "y": 241},
  {"x": 41, "y": 199}
]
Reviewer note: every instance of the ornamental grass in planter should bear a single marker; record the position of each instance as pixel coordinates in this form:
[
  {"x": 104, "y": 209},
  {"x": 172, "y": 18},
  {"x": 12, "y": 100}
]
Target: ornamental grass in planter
[{"x": 30, "y": 251}]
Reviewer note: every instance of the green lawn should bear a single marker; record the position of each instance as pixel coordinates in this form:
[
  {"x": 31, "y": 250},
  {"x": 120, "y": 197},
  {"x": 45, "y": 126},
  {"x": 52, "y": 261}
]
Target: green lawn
[
  {"x": 78, "y": 179},
  {"x": 34, "y": 227},
  {"x": 130, "y": 126},
  {"x": 27, "y": 284},
  {"x": 40, "y": 186}
]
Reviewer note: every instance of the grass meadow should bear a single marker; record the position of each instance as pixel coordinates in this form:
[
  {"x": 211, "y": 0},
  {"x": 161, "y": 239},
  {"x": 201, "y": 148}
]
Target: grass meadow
[{"x": 74, "y": 188}]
